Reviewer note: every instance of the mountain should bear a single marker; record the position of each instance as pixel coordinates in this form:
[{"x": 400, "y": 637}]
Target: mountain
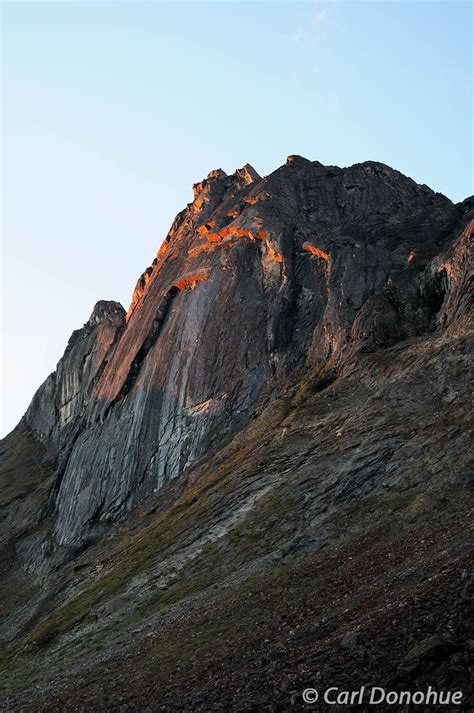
[{"x": 237, "y": 487}]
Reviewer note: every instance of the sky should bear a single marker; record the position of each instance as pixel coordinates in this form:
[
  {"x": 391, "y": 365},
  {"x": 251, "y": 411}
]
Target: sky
[{"x": 110, "y": 111}]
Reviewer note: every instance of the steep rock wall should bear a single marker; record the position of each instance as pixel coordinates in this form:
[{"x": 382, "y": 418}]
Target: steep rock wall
[{"x": 256, "y": 277}]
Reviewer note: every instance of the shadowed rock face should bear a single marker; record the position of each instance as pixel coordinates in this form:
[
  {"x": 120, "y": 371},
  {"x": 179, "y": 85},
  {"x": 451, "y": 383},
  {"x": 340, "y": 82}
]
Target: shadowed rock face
[{"x": 257, "y": 278}]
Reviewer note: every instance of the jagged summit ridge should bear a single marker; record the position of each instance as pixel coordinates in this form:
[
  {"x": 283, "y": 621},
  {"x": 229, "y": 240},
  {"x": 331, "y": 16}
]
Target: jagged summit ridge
[
  {"x": 256, "y": 278},
  {"x": 218, "y": 188}
]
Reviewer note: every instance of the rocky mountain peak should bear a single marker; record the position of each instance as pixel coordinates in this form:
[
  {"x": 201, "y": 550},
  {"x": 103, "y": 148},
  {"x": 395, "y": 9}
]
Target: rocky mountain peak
[
  {"x": 247, "y": 174},
  {"x": 106, "y": 309},
  {"x": 257, "y": 279},
  {"x": 295, "y": 159},
  {"x": 218, "y": 184},
  {"x": 284, "y": 408}
]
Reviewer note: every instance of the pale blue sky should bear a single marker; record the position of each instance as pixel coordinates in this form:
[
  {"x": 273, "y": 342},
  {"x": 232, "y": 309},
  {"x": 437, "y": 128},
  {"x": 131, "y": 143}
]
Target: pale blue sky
[{"x": 111, "y": 110}]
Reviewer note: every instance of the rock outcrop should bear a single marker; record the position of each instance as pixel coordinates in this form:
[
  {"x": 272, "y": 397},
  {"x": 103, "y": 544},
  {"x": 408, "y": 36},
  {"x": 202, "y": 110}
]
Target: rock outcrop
[{"x": 257, "y": 278}]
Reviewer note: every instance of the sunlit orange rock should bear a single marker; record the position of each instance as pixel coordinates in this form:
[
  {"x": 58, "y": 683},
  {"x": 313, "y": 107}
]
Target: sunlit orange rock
[
  {"x": 143, "y": 281},
  {"x": 162, "y": 250},
  {"x": 315, "y": 251},
  {"x": 205, "y": 228},
  {"x": 252, "y": 200},
  {"x": 247, "y": 174},
  {"x": 214, "y": 237},
  {"x": 274, "y": 253},
  {"x": 235, "y": 231},
  {"x": 189, "y": 282}
]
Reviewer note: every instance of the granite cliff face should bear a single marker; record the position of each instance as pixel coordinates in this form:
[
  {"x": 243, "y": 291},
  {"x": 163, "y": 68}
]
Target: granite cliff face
[
  {"x": 273, "y": 440},
  {"x": 257, "y": 278}
]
